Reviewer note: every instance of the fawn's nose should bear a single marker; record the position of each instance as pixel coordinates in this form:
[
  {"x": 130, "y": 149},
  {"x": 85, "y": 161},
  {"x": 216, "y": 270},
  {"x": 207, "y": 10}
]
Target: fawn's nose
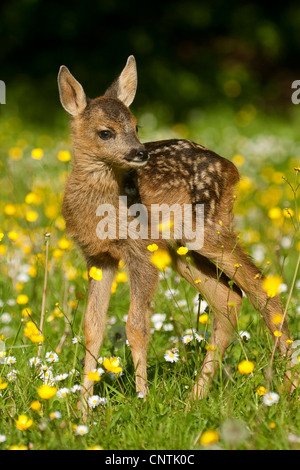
[{"x": 142, "y": 156}]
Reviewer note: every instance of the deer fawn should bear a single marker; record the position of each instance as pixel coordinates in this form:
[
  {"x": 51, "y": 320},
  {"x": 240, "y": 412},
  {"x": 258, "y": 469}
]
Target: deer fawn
[{"x": 109, "y": 162}]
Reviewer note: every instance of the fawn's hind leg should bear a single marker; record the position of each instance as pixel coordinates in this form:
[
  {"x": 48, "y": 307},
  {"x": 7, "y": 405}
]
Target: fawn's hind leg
[
  {"x": 228, "y": 255},
  {"x": 225, "y": 303},
  {"x": 143, "y": 278},
  {"x": 94, "y": 321}
]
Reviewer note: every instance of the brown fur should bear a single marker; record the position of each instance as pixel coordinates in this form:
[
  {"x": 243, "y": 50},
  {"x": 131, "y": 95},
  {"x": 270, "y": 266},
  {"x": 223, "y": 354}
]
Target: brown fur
[{"x": 177, "y": 172}]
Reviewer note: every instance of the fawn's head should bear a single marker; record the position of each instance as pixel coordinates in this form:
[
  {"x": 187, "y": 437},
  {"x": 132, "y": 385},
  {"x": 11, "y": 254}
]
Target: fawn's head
[{"x": 104, "y": 129}]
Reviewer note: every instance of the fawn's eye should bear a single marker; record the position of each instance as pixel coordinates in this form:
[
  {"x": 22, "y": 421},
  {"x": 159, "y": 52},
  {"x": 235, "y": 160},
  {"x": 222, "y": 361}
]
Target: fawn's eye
[{"x": 105, "y": 135}]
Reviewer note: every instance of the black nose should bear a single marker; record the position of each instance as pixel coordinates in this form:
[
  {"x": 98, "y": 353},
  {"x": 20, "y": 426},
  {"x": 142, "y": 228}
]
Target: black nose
[{"x": 141, "y": 156}]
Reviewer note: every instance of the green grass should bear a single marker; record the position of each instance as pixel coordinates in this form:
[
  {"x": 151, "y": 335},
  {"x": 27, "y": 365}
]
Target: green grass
[{"x": 168, "y": 419}]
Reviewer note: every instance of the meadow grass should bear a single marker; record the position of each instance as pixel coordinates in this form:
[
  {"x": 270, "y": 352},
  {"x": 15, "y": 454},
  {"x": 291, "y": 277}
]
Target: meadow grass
[{"x": 34, "y": 166}]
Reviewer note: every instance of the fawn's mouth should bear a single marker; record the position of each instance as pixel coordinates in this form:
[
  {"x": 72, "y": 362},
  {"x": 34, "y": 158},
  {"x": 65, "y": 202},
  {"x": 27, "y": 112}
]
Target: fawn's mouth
[{"x": 137, "y": 158}]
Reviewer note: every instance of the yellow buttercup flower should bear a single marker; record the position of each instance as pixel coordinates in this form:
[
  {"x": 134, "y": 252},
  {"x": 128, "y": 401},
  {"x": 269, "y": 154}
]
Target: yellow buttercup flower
[
  {"x": 209, "y": 437},
  {"x": 153, "y": 247},
  {"x": 13, "y": 236},
  {"x": 161, "y": 259},
  {"x": 121, "y": 277},
  {"x": 64, "y": 156},
  {"x": 112, "y": 364},
  {"x": 95, "y": 273},
  {"x": 36, "y": 405},
  {"x": 46, "y": 392},
  {"x": 23, "y": 423},
  {"x": 37, "y": 153},
  {"x": 31, "y": 216},
  {"x": 10, "y": 209},
  {"x": 94, "y": 375},
  {"x": 22, "y": 299},
  {"x": 31, "y": 331},
  {"x": 274, "y": 213},
  {"x": 3, "y": 385},
  {"x": 271, "y": 285},
  {"x": 246, "y": 367},
  {"x": 64, "y": 244},
  {"x": 182, "y": 250},
  {"x": 261, "y": 390}
]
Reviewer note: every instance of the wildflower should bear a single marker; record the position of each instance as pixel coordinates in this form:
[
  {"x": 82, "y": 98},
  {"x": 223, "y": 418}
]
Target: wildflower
[
  {"x": 261, "y": 390},
  {"x": 64, "y": 244},
  {"x": 272, "y": 425},
  {"x": 31, "y": 331},
  {"x": 94, "y": 375},
  {"x": 203, "y": 319},
  {"x": 5, "y": 318},
  {"x": 182, "y": 250},
  {"x": 187, "y": 339},
  {"x": 96, "y": 447},
  {"x": 51, "y": 357},
  {"x": 288, "y": 212},
  {"x": 37, "y": 153},
  {"x": 12, "y": 375},
  {"x": 63, "y": 392},
  {"x": 209, "y": 437},
  {"x": 36, "y": 405},
  {"x": 31, "y": 216},
  {"x": 112, "y": 364},
  {"x": 245, "y": 336},
  {"x": 161, "y": 259},
  {"x": 95, "y": 273},
  {"x": 34, "y": 361},
  {"x": 121, "y": 277},
  {"x": 277, "y": 333},
  {"x": 22, "y": 299},
  {"x": 270, "y": 398},
  {"x": 277, "y": 319},
  {"x": 46, "y": 392},
  {"x": 10, "y": 360},
  {"x": 64, "y": 156},
  {"x": 23, "y": 423},
  {"x": 158, "y": 319},
  {"x": 171, "y": 356},
  {"x": 81, "y": 430},
  {"x": 10, "y": 209},
  {"x": 13, "y": 236},
  {"x": 76, "y": 388},
  {"x": 95, "y": 400},
  {"x": 61, "y": 377},
  {"x": 275, "y": 213},
  {"x": 3, "y": 385},
  {"x": 271, "y": 285},
  {"x": 2, "y": 438},
  {"x": 153, "y": 247},
  {"x": 55, "y": 415},
  {"x": 246, "y": 367}
]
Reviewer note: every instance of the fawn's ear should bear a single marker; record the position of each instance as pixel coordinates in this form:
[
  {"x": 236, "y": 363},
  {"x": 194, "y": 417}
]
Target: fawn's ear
[
  {"x": 71, "y": 93},
  {"x": 124, "y": 88}
]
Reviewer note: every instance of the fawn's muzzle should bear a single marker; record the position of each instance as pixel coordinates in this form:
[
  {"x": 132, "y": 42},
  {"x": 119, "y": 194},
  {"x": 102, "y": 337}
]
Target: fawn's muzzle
[{"x": 137, "y": 156}]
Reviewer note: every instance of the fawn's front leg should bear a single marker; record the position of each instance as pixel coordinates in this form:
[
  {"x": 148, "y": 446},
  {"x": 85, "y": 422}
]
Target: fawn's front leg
[
  {"x": 143, "y": 282},
  {"x": 94, "y": 321}
]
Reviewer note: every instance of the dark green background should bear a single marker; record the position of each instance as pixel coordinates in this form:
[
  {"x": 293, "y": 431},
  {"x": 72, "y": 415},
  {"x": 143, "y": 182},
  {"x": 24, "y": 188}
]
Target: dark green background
[{"x": 185, "y": 51}]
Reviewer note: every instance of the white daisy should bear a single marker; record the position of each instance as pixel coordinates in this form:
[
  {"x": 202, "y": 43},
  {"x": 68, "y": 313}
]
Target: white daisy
[
  {"x": 51, "y": 357},
  {"x": 171, "y": 355},
  {"x": 270, "y": 398},
  {"x": 63, "y": 392},
  {"x": 81, "y": 429}
]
